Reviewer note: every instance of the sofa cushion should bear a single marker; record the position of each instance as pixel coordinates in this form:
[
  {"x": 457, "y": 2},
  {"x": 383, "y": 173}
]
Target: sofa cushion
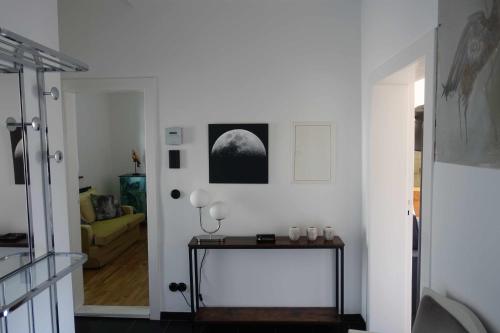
[
  {"x": 107, "y": 231},
  {"x": 99, "y": 256},
  {"x": 432, "y": 317},
  {"x": 137, "y": 218},
  {"x": 87, "y": 212}
]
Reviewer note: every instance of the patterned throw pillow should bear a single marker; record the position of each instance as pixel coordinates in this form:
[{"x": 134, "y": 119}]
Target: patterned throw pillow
[
  {"x": 119, "y": 210},
  {"x": 105, "y": 207},
  {"x": 87, "y": 212}
]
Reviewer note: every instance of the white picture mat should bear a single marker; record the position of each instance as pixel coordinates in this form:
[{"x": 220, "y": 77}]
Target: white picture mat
[{"x": 312, "y": 152}]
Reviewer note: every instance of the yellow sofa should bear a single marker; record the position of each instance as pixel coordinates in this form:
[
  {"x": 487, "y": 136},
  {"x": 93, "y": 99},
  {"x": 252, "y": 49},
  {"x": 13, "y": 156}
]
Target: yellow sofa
[{"x": 105, "y": 240}]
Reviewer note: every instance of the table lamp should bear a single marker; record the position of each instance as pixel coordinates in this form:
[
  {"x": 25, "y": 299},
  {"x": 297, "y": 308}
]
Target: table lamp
[{"x": 218, "y": 211}]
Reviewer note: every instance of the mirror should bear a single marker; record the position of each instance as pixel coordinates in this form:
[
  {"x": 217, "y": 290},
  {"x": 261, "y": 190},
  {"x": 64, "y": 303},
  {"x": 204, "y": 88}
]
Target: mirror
[{"x": 14, "y": 223}]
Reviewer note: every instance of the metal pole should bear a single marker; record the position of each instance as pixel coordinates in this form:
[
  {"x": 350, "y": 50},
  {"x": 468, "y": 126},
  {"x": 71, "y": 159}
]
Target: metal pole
[
  {"x": 31, "y": 315},
  {"x": 46, "y": 181},
  {"x": 5, "y": 324},
  {"x": 342, "y": 280},
  {"x": 191, "y": 286},
  {"x": 31, "y": 245},
  {"x": 197, "y": 294},
  {"x": 337, "y": 298}
]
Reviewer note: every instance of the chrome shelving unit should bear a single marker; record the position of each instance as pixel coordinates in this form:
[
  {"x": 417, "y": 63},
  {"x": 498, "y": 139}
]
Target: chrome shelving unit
[
  {"x": 18, "y": 50},
  {"x": 29, "y": 280},
  {"x": 28, "y": 275}
]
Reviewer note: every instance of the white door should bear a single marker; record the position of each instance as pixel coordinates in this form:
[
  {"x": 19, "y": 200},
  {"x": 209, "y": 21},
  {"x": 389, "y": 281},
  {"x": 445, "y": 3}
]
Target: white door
[
  {"x": 389, "y": 223},
  {"x": 71, "y": 150}
]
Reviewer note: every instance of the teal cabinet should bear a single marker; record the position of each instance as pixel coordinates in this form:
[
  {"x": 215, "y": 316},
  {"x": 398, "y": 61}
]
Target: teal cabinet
[{"x": 133, "y": 191}]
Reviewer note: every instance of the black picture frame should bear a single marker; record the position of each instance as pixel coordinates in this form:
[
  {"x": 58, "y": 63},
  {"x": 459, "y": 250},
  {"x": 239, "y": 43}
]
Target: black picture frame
[
  {"x": 238, "y": 153},
  {"x": 16, "y": 144}
]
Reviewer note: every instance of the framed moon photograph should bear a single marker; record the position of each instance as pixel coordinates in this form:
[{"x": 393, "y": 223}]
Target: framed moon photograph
[
  {"x": 238, "y": 153},
  {"x": 16, "y": 142}
]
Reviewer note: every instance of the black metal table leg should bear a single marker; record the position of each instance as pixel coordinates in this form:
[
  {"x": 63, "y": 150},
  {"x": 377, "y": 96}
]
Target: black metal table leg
[
  {"x": 342, "y": 280},
  {"x": 196, "y": 283},
  {"x": 191, "y": 289},
  {"x": 337, "y": 298}
]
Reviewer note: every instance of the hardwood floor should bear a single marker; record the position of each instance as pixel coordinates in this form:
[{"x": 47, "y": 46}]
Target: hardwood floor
[
  {"x": 123, "y": 281},
  {"x": 416, "y": 201}
]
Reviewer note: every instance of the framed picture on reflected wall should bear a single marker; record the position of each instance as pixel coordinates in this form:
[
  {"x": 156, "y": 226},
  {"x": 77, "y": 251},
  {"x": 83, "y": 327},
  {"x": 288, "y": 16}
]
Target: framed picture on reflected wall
[{"x": 16, "y": 142}]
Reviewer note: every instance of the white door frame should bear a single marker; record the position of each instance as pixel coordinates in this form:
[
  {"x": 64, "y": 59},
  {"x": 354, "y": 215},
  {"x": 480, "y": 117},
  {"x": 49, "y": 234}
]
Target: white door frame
[
  {"x": 423, "y": 48},
  {"x": 148, "y": 85}
]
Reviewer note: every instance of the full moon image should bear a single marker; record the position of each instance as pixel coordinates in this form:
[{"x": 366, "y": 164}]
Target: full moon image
[{"x": 238, "y": 142}]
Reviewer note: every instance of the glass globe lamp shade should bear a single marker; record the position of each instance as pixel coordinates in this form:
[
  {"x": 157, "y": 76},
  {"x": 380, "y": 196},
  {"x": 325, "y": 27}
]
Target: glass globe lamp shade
[
  {"x": 219, "y": 210},
  {"x": 199, "y": 198}
]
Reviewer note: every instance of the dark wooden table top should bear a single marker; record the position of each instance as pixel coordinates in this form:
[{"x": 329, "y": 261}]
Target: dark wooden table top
[
  {"x": 282, "y": 242},
  {"x": 17, "y": 243},
  {"x": 256, "y": 315}
]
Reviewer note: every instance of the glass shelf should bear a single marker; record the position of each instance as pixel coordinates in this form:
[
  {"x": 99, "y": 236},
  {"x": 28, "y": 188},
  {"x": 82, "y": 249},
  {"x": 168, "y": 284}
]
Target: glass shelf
[
  {"x": 30, "y": 279},
  {"x": 13, "y": 262}
]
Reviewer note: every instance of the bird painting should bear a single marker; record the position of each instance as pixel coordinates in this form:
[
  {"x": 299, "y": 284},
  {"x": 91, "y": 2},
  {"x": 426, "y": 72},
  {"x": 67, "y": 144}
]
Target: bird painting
[{"x": 477, "y": 46}]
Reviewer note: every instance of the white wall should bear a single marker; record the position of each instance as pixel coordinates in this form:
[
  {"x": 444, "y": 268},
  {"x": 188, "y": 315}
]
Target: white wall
[
  {"x": 389, "y": 26},
  {"x": 465, "y": 228},
  {"x": 465, "y": 233},
  {"x": 94, "y": 137},
  {"x": 243, "y": 61},
  {"x": 109, "y": 126},
  {"x": 126, "y": 110},
  {"x": 13, "y": 204},
  {"x": 38, "y": 20}
]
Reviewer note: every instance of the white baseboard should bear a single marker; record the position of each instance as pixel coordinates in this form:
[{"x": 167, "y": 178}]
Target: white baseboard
[{"x": 141, "y": 312}]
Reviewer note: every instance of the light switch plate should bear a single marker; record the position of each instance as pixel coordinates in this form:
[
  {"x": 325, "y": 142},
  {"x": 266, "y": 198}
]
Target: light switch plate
[{"x": 173, "y": 136}]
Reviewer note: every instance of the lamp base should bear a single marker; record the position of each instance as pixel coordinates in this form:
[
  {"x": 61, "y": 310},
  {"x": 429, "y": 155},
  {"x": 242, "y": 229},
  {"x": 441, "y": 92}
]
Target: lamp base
[{"x": 210, "y": 239}]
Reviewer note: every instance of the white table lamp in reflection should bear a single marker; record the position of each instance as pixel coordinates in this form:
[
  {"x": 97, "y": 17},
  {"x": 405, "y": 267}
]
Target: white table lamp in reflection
[{"x": 218, "y": 211}]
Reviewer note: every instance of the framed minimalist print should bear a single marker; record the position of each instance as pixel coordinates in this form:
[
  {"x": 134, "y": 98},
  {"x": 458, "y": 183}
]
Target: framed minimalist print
[
  {"x": 312, "y": 152},
  {"x": 238, "y": 153}
]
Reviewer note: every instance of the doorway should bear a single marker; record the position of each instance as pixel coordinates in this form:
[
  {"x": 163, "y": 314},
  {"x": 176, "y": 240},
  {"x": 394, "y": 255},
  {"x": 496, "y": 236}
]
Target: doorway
[
  {"x": 419, "y": 114},
  {"x": 398, "y": 266},
  {"x": 116, "y": 218},
  {"x": 112, "y": 190}
]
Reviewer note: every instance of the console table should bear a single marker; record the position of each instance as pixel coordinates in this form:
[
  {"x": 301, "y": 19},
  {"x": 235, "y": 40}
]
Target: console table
[{"x": 285, "y": 315}]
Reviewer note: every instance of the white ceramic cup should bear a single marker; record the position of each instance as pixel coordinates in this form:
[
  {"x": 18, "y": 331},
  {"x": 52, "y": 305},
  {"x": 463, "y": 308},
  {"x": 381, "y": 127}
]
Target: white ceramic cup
[
  {"x": 312, "y": 233},
  {"x": 328, "y": 233},
  {"x": 294, "y": 233}
]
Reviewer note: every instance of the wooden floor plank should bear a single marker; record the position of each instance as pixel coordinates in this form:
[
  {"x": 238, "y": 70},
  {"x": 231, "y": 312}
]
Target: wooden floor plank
[{"x": 124, "y": 281}]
